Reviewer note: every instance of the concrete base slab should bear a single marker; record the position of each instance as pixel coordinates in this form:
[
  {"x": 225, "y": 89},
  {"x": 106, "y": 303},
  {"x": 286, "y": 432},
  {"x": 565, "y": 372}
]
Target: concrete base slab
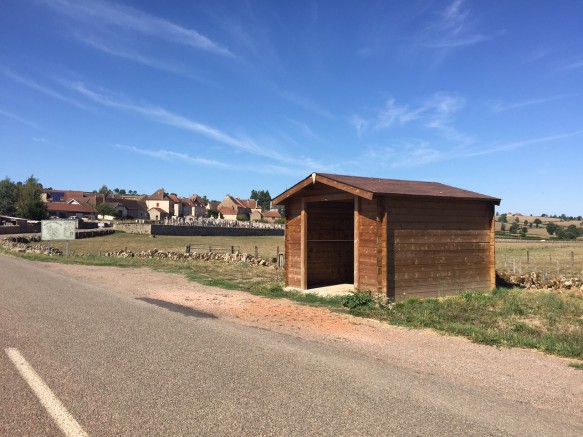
[{"x": 330, "y": 290}]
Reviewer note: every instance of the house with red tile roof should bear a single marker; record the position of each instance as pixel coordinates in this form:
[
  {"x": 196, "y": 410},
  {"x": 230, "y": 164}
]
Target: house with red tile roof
[{"x": 160, "y": 199}]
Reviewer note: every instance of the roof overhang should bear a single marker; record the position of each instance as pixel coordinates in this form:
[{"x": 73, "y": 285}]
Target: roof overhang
[{"x": 316, "y": 178}]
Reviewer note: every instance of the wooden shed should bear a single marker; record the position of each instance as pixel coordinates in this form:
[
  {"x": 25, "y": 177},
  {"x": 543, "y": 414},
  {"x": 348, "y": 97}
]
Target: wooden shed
[{"x": 398, "y": 238}]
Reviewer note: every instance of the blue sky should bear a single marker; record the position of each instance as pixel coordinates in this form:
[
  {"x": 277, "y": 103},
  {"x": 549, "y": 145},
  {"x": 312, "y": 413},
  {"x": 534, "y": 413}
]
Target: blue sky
[{"x": 224, "y": 97}]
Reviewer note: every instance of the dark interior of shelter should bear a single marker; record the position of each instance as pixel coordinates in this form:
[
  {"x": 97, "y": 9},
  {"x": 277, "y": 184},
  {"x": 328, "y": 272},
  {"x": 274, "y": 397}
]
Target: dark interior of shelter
[{"x": 330, "y": 241}]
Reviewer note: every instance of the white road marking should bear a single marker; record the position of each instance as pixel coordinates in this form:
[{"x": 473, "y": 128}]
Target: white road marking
[{"x": 52, "y": 404}]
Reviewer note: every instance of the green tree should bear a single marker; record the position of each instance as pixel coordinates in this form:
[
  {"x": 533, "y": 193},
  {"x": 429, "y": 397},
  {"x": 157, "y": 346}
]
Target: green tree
[
  {"x": 523, "y": 231},
  {"x": 30, "y": 204},
  {"x": 8, "y": 197},
  {"x": 537, "y": 222},
  {"x": 503, "y": 218},
  {"x": 242, "y": 217},
  {"x": 104, "y": 190},
  {"x": 551, "y": 228},
  {"x": 106, "y": 209},
  {"x": 514, "y": 228},
  {"x": 503, "y": 227}
]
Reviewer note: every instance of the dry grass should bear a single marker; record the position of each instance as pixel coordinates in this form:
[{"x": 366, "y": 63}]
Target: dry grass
[
  {"x": 267, "y": 246},
  {"x": 557, "y": 259}
]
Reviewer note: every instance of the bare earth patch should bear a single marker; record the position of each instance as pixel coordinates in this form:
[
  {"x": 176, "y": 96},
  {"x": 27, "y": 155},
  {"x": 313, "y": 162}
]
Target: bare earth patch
[{"x": 524, "y": 376}]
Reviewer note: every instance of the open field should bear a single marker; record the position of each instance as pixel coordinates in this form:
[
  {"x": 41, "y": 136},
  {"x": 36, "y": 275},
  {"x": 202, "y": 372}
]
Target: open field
[
  {"x": 267, "y": 246},
  {"x": 554, "y": 259}
]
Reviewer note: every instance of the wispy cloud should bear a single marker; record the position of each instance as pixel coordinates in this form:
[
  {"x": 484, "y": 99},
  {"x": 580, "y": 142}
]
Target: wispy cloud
[
  {"x": 305, "y": 103},
  {"x": 132, "y": 55},
  {"x": 41, "y": 140},
  {"x": 168, "y": 155},
  {"x": 18, "y": 118},
  {"x": 455, "y": 27},
  {"x": 162, "y": 115},
  {"x": 506, "y": 147},
  {"x": 100, "y": 14},
  {"x": 403, "y": 154},
  {"x": 500, "y": 106},
  {"x": 435, "y": 113},
  {"x": 573, "y": 64},
  {"x": 305, "y": 129},
  {"x": 38, "y": 87}
]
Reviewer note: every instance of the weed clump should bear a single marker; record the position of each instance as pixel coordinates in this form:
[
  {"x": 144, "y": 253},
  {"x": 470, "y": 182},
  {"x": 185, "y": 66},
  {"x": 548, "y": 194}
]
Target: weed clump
[{"x": 358, "y": 300}]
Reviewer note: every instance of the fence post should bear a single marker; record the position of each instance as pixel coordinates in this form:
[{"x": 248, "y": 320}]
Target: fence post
[
  {"x": 210, "y": 249},
  {"x": 277, "y": 254},
  {"x": 527, "y": 257},
  {"x": 256, "y": 252},
  {"x": 572, "y": 260},
  {"x": 232, "y": 250}
]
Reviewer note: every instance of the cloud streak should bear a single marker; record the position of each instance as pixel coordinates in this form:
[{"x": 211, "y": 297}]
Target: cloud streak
[
  {"x": 501, "y": 107},
  {"x": 18, "y": 118},
  {"x": 435, "y": 113},
  {"x": 168, "y": 155},
  {"x": 455, "y": 28},
  {"x": 520, "y": 144},
  {"x": 98, "y": 13},
  {"x": 38, "y": 87},
  {"x": 162, "y": 115}
]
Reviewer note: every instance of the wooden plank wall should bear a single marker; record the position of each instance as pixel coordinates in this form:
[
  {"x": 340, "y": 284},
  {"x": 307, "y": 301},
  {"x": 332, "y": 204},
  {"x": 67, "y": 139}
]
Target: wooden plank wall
[
  {"x": 293, "y": 248},
  {"x": 437, "y": 247},
  {"x": 330, "y": 243},
  {"x": 368, "y": 247}
]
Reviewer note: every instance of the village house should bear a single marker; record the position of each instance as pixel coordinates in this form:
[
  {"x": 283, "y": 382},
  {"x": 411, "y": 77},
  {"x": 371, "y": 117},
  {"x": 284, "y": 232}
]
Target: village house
[
  {"x": 162, "y": 201},
  {"x": 231, "y": 207}
]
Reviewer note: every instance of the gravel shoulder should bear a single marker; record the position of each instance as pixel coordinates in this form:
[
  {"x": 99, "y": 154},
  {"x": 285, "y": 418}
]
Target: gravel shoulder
[{"x": 523, "y": 376}]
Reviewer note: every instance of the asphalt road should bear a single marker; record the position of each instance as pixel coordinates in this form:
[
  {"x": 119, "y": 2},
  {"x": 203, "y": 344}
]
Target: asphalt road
[{"x": 123, "y": 366}]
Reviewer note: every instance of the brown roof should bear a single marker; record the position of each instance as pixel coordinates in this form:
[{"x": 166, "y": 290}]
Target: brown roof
[
  {"x": 272, "y": 214},
  {"x": 158, "y": 209},
  {"x": 70, "y": 207},
  {"x": 371, "y": 187},
  {"x": 174, "y": 198},
  {"x": 228, "y": 211},
  {"x": 159, "y": 194},
  {"x": 247, "y": 203},
  {"x": 129, "y": 203}
]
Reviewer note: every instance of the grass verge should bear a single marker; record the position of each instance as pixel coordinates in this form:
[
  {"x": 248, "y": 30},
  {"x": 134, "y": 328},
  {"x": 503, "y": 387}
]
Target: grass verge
[{"x": 548, "y": 321}]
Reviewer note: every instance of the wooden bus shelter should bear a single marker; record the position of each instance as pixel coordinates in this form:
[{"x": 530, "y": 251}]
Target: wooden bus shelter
[{"x": 398, "y": 238}]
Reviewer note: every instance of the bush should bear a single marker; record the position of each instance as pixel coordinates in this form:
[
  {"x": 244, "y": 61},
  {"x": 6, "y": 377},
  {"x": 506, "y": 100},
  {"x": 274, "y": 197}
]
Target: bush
[{"x": 357, "y": 300}]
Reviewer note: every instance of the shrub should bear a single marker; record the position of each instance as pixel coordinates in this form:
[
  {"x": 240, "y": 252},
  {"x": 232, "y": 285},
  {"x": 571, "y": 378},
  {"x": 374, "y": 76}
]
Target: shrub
[{"x": 356, "y": 300}]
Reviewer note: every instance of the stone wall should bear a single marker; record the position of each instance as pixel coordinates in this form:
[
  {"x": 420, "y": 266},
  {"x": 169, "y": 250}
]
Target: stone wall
[
  {"x": 212, "y": 231},
  {"x": 20, "y": 229},
  {"x": 133, "y": 228},
  {"x": 194, "y": 231}
]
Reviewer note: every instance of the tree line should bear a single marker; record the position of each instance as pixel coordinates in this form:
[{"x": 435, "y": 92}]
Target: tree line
[
  {"x": 571, "y": 232},
  {"x": 22, "y": 199}
]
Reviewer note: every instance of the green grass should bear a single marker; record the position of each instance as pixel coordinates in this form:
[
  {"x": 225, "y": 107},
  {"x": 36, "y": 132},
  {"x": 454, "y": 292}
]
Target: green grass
[
  {"x": 547, "y": 321},
  {"x": 576, "y": 365}
]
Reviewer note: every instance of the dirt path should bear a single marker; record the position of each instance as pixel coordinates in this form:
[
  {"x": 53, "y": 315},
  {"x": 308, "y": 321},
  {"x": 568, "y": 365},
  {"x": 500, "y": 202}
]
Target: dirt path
[{"x": 524, "y": 376}]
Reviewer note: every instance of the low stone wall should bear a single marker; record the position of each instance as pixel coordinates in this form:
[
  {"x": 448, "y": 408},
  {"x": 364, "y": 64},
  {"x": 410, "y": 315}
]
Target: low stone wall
[
  {"x": 134, "y": 228},
  {"x": 20, "y": 229},
  {"x": 236, "y": 257},
  {"x": 539, "y": 281},
  {"x": 214, "y": 231}
]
